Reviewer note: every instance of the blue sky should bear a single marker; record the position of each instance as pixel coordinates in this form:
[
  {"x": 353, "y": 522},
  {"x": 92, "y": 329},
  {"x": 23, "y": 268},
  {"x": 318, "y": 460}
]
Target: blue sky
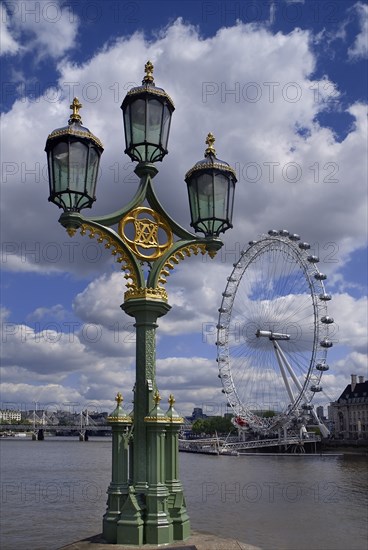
[{"x": 283, "y": 87}]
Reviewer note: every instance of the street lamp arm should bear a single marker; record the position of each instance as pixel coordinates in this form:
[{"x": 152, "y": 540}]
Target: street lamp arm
[
  {"x": 177, "y": 229},
  {"x": 115, "y": 217}
]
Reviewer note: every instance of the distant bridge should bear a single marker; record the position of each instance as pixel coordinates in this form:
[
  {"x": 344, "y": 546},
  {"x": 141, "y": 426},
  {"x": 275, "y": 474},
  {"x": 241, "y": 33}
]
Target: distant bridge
[{"x": 53, "y": 428}]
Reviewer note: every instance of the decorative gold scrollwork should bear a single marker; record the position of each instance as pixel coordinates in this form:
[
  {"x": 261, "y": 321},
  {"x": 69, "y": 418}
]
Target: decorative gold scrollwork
[
  {"x": 177, "y": 256},
  {"x": 145, "y": 233},
  {"x": 116, "y": 250}
]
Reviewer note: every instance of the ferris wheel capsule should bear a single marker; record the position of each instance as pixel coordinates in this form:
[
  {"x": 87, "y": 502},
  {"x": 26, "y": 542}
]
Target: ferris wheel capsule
[
  {"x": 327, "y": 320},
  {"x": 323, "y": 367},
  {"x": 326, "y": 343}
]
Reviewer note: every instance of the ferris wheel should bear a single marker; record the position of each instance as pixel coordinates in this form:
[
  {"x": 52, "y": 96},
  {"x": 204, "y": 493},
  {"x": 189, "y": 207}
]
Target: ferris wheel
[{"x": 273, "y": 333}]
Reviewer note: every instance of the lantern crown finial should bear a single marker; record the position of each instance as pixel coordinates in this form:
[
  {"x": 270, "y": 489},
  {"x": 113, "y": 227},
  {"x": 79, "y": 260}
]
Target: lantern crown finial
[
  {"x": 210, "y": 140},
  {"x": 75, "y": 116},
  {"x": 119, "y": 399},
  {"x": 148, "y": 78}
]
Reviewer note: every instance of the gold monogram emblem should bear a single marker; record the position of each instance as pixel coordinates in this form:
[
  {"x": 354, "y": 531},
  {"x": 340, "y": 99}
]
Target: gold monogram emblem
[{"x": 146, "y": 233}]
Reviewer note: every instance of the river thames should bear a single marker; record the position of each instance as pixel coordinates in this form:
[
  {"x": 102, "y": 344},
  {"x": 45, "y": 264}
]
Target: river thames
[{"x": 53, "y": 493}]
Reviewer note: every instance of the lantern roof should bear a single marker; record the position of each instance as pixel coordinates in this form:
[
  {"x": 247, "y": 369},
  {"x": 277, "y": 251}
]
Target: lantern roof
[
  {"x": 148, "y": 87},
  {"x": 75, "y": 127},
  {"x": 210, "y": 161}
]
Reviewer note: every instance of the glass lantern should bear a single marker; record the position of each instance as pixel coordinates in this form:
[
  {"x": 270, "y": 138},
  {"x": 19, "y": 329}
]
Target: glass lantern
[
  {"x": 147, "y": 114},
  {"x": 211, "y": 188},
  {"x": 73, "y": 155}
]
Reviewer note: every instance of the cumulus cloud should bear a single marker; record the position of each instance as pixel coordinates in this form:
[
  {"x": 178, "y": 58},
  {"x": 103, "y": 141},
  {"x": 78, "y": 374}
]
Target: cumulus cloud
[
  {"x": 47, "y": 29},
  {"x": 292, "y": 172},
  {"x": 359, "y": 50},
  {"x": 8, "y": 44}
]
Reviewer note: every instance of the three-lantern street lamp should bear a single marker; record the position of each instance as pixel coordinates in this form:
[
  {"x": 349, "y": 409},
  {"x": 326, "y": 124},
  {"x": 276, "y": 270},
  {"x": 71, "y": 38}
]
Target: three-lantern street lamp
[{"x": 145, "y": 504}]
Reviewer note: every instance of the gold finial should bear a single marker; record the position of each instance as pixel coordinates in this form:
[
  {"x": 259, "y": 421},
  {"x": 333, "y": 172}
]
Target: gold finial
[
  {"x": 210, "y": 140},
  {"x": 75, "y": 106},
  {"x": 157, "y": 397},
  {"x": 148, "y": 69},
  {"x": 171, "y": 400},
  {"x": 119, "y": 399}
]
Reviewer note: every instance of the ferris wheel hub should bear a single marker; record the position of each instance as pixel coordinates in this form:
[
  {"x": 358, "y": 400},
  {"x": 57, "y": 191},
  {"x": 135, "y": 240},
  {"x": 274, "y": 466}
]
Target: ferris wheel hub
[{"x": 272, "y": 335}]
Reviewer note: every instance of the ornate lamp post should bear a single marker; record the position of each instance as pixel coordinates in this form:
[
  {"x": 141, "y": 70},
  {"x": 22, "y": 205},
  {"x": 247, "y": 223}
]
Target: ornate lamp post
[{"x": 146, "y": 504}]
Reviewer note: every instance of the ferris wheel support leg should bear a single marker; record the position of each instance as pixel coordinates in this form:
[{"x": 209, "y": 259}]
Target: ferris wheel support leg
[
  {"x": 289, "y": 368},
  {"x": 323, "y": 429},
  {"x": 283, "y": 373}
]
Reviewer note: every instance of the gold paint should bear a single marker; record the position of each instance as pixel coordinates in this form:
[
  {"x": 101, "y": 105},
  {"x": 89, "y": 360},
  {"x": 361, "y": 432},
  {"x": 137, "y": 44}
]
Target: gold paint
[
  {"x": 204, "y": 166},
  {"x": 117, "y": 250},
  {"x": 75, "y": 116},
  {"x": 119, "y": 398},
  {"x": 72, "y": 132},
  {"x": 157, "y": 419},
  {"x": 124, "y": 419},
  {"x": 147, "y": 293},
  {"x": 71, "y": 231},
  {"x": 152, "y": 90},
  {"x": 210, "y": 140},
  {"x": 146, "y": 233},
  {"x": 171, "y": 400},
  {"x": 157, "y": 397},
  {"x": 148, "y": 69}
]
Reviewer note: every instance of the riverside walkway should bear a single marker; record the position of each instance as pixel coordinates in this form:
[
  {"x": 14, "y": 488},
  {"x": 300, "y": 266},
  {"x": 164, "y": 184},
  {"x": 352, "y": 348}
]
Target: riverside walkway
[{"x": 196, "y": 541}]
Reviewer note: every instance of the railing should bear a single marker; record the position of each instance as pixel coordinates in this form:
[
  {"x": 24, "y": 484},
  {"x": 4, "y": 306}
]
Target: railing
[{"x": 221, "y": 446}]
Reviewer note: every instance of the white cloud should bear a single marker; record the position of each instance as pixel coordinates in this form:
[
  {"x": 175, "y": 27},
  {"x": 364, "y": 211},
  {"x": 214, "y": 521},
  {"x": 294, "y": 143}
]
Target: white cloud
[
  {"x": 8, "y": 44},
  {"x": 47, "y": 29},
  {"x": 292, "y": 172},
  {"x": 359, "y": 50}
]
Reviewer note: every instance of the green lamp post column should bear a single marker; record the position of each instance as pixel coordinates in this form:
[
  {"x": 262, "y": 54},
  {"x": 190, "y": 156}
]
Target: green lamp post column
[{"x": 118, "y": 489}]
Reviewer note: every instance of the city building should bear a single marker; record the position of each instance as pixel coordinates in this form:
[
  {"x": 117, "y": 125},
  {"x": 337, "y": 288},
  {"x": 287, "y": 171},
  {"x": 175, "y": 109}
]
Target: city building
[
  {"x": 349, "y": 414},
  {"x": 8, "y": 415},
  {"x": 197, "y": 413}
]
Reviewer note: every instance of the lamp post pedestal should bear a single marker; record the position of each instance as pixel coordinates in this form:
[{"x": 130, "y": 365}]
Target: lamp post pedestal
[
  {"x": 177, "y": 506},
  {"x": 118, "y": 489}
]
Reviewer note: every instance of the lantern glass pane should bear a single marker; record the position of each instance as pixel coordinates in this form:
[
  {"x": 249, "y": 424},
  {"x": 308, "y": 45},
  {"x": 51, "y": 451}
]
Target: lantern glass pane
[
  {"x": 60, "y": 155},
  {"x": 193, "y": 200},
  {"x": 221, "y": 196},
  {"x": 92, "y": 171},
  {"x": 154, "y": 121},
  {"x": 127, "y": 127},
  {"x": 138, "y": 121},
  {"x": 166, "y": 117},
  {"x": 205, "y": 196},
  {"x": 78, "y": 165}
]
